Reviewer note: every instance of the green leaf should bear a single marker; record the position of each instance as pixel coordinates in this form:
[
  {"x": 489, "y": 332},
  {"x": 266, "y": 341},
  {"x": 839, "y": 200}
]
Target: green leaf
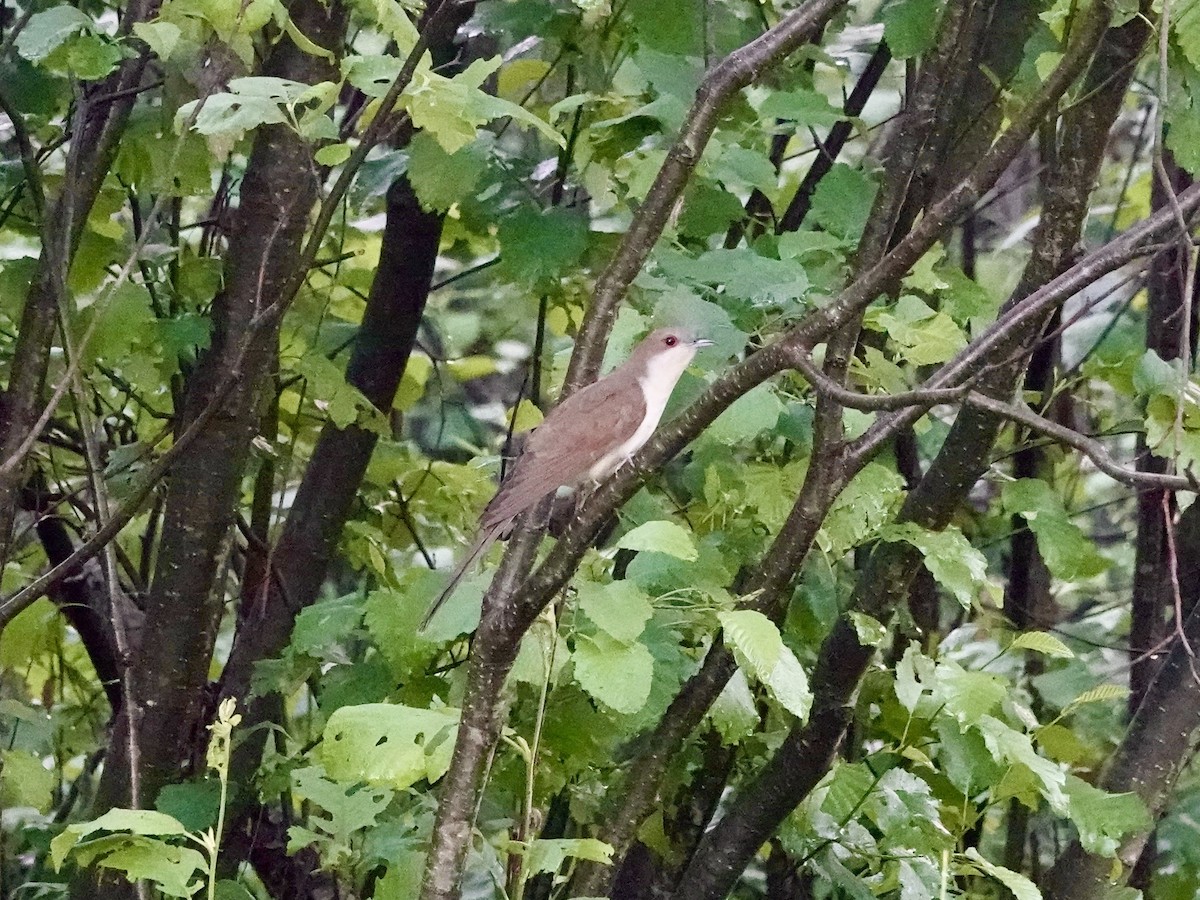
[
  {"x": 1104, "y": 819},
  {"x": 124, "y": 316},
  {"x": 922, "y": 335},
  {"x": 388, "y": 744},
  {"x": 329, "y": 390},
  {"x": 740, "y": 167},
  {"x": 842, "y": 202},
  {"x": 871, "y": 632},
  {"x": 915, "y": 674},
  {"x": 950, "y": 559},
  {"x": 849, "y": 785},
  {"x": 661, "y": 537},
  {"x": 134, "y": 821},
  {"x": 755, "y": 638},
  {"x": 48, "y": 30},
  {"x": 333, "y": 154},
  {"x": 1020, "y": 886},
  {"x": 964, "y": 758},
  {"x": 24, "y": 781},
  {"x": 195, "y": 804},
  {"x": 620, "y": 609},
  {"x": 89, "y": 57},
  {"x": 748, "y": 416},
  {"x": 172, "y": 869},
  {"x": 1011, "y": 746},
  {"x": 909, "y": 26},
  {"x": 232, "y": 890},
  {"x": 866, "y": 504},
  {"x": 617, "y": 674},
  {"x": 760, "y": 650},
  {"x": 1069, "y": 555},
  {"x": 804, "y": 107},
  {"x": 160, "y": 37},
  {"x": 250, "y": 102},
  {"x": 442, "y": 179},
  {"x": 323, "y": 625},
  {"x": 1155, "y": 376},
  {"x": 452, "y": 108},
  {"x": 1104, "y": 693},
  {"x": 743, "y": 274},
  {"x": 548, "y": 855},
  {"x": 969, "y": 696},
  {"x": 349, "y": 810},
  {"x": 402, "y": 881},
  {"x": 1041, "y": 642},
  {"x": 1182, "y": 135},
  {"x": 734, "y": 713},
  {"x": 537, "y": 246}
]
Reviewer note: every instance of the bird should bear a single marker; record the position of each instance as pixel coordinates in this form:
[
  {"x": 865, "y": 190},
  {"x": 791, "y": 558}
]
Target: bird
[{"x": 585, "y": 438}]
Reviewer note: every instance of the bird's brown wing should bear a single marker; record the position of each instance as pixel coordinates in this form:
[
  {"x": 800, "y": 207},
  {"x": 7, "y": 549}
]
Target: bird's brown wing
[{"x": 572, "y": 438}]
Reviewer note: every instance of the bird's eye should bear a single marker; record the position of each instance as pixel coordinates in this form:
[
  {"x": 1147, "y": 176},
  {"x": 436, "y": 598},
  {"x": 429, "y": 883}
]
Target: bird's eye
[{"x": 670, "y": 340}]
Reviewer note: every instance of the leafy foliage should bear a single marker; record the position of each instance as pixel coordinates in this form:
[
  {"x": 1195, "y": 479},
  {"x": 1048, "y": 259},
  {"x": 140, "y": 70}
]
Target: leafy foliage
[{"x": 478, "y": 187}]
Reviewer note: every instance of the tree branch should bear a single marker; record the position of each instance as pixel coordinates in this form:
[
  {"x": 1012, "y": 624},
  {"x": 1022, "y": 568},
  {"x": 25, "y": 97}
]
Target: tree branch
[{"x": 723, "y": 80}]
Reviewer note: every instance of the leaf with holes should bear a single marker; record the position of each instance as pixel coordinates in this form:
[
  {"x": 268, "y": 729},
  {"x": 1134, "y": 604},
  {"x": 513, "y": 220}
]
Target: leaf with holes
[{"x": 388, "y": 744}]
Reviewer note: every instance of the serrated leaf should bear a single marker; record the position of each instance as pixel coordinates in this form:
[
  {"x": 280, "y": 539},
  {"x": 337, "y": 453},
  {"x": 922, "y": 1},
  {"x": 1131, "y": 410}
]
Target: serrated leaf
[
  {"x": 160, "y": 37},
  {"x": 915, "y": 674},
  {"x": 133, "y": 821},
  {"x": 759, "y": 648},
  {"x": 549, "y": 854},
  {"x": 743, "y": 274},
  {"x": 1103, "y": 819},
  {"x": 661, "y": 536},
  {"x": 949, "y": 557},
  {"x": 619, "y": 675},
  {"x": 871, "y": 632},
  {"x": 734, "y": 714},
  {"x": 1006, "y": 744},
  {"x": 788, "y": 684},
  {"x": 969, "y": 696},
  {"x": 442, "y": 179},
  {"x": 848, "y": 786},
  {"x": 1041, "y": 642},
  {"x": 755, "y": 638},
  {"x": 1068, "y": 553},
  {"x": 748, "y": 416},
  {"x": 620, "y": 609},
  {"x": 842, "y": 202},
  {"x": 174, "y": 870},
  {"x": 803, "y": 106},
  {"x": 1103, "y": 693},
  {"x": 322, "y": 625},
  {"x": 861, "y": 510},
  {"x": 909, "y": 26},
  {"x": 1020, "y": 886},
  {"x": 537, "y": 246},
  {"x": 452, "y": 108},
  {"x": 24, "y": 781},
  {"x": 388, "y": 744},
  {"x": 349, "y": 809},
  {"x": 49, "y": 29}
]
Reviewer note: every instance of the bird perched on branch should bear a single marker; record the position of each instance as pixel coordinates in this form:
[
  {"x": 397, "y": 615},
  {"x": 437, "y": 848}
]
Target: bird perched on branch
[{"x": 585, "y": 438}]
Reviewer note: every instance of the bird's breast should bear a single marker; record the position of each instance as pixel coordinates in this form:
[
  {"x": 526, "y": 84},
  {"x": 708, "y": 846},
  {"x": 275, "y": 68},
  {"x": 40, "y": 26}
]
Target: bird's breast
[{"x": 655, "y": 403}]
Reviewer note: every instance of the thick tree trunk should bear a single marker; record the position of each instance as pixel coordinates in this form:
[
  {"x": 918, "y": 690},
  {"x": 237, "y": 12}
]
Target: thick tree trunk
[{"x": 184, "y": 606}]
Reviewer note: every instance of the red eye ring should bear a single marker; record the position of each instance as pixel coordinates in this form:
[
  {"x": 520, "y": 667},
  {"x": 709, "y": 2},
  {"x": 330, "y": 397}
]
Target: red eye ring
[{"x": 670, "y": 340}]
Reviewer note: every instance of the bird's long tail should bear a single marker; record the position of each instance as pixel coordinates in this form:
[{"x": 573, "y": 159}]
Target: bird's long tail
[{"x": 483, "y": 540}]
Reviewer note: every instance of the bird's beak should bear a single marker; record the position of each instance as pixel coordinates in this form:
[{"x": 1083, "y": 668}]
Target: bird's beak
[{"x": 702, "y": 342}]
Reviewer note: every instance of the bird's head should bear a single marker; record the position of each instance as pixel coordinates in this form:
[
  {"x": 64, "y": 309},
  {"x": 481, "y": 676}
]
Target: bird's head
[{"x": 666, "y": 352}]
